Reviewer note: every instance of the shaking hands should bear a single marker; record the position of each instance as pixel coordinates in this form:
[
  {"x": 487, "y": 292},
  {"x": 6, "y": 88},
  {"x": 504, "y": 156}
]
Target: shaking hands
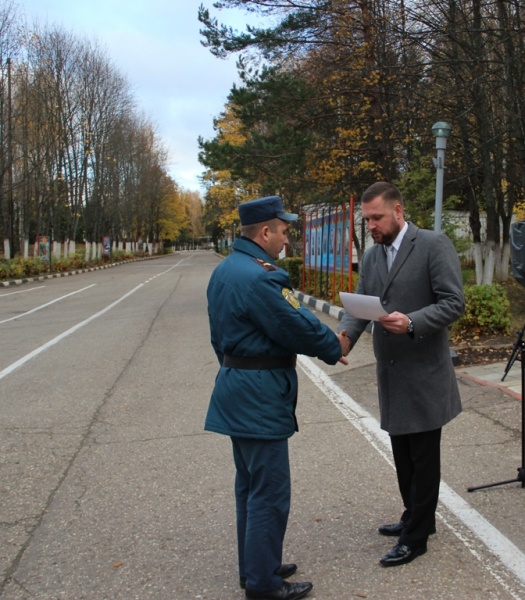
[{"x": 345, "y": 346}]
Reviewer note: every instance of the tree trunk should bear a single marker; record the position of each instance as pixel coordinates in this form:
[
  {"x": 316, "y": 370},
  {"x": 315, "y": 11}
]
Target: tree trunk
[{"x": 488, "y": 266}]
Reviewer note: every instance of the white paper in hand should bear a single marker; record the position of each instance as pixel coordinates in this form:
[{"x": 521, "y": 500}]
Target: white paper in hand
[{"x": 362, "y": 306}]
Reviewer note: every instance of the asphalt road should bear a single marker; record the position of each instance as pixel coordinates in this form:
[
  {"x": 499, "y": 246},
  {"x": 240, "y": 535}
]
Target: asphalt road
[{"x": 110, "y": 488}]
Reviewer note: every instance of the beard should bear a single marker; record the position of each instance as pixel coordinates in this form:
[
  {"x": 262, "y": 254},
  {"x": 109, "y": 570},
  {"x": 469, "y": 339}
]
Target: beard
[{"x": 389, "y": 236}]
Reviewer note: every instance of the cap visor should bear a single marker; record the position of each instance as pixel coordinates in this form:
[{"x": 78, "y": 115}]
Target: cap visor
[{"x": 287, "y": 216}]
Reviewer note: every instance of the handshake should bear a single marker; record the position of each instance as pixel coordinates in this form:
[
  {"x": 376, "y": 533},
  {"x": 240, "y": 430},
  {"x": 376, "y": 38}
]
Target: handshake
[{"x": 345, "y": 346}]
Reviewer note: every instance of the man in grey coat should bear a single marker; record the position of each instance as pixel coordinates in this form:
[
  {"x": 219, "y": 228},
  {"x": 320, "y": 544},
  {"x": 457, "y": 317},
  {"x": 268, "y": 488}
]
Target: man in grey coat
[{"x": 422, "y": 292}]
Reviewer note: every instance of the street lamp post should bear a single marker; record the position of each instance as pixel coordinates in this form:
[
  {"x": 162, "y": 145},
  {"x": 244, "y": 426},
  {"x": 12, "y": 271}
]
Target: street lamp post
[{"x": 441, "y": 132}]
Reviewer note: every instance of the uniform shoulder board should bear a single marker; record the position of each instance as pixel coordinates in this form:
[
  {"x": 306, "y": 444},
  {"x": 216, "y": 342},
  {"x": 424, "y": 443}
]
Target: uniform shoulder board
[{"x": 265, "y": 265}]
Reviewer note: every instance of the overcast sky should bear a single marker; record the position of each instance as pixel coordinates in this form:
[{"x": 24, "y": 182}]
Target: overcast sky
[{"x": 177, "y": 82}]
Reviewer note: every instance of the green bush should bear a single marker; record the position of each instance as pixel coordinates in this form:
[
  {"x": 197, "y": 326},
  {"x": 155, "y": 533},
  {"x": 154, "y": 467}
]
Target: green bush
[
  {"x": 60, "y": 265},
  {"x": 35, "y": 267},
  {"x": 78, "y": 260},
  {"x": 294, "y": 266},
  {"x": 120, "y": 255},
  {"x": 17, "y": 269},
  {"x": 487, "y": 311},
  {"x": 4, "y": 270}
]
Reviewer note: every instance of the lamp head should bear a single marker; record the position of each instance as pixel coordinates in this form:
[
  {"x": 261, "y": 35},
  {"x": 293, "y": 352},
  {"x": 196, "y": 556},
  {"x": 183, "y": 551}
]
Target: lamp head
[{"x": 441, "y": 129}]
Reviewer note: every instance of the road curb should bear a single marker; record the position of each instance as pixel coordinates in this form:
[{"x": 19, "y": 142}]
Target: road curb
[
  {"x": 321, "y": 305},
  {"x": 484, "y": 382},
  {"x": 12, "y": 282}
]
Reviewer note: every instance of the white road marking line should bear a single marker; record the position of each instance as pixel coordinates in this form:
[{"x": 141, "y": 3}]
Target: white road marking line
[
  {"x": 38, "y": 287},
  {"x": 166, "y": 271},
  {"x": 47, "y": 304},
  {"x": 71, "y": 330},
  {"x": 508, "y": 553},
  {"x": 67, "y": 333}
]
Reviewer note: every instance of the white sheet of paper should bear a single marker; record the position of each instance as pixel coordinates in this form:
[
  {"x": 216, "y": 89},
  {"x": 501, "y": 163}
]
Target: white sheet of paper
[{"x": 362, "y": 306}]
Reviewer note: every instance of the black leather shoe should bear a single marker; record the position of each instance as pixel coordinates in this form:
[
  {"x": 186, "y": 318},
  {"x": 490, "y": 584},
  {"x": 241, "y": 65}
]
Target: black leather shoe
[
  {"x": 288, "y": 591},
  {"x": 401, "y": 554},
  {"x": 284, "y": 571},
  {"x": 395, "y": 529}
]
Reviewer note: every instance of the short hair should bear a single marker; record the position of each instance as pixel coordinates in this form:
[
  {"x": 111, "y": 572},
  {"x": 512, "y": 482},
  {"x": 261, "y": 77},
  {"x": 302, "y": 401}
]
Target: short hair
[
  {"x": 251, "y": 231},
  {"x": 387, "y": 191}
]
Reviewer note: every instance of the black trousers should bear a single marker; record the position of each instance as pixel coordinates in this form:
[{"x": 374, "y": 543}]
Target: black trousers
[{"x": 417, "y": 457}]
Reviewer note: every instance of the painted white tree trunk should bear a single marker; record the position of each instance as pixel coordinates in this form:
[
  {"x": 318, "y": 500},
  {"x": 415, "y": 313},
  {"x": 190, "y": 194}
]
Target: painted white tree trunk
[
  {"x": 488, "y": 267},
  {"x": 502, "y": 266},
  {"x": 477, "y": 250}
]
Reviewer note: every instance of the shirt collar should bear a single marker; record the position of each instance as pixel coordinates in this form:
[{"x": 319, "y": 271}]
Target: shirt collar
[{"x": 397, "y": 242}]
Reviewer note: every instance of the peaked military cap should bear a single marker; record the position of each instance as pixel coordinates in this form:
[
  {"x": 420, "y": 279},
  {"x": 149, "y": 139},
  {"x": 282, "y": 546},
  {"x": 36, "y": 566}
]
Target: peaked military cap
[{"x": 264, "y": 209}]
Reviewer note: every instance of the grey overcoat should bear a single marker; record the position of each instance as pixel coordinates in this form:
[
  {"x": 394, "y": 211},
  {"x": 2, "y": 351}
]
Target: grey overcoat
[{"x": 416, "y": 380}]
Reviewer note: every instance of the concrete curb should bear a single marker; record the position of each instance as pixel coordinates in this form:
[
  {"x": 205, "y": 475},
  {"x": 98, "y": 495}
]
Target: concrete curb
[
  {"x": 75, "y": 272},
  {"x": 484, "y": 382},
  {"x": 321, "y": 305}
]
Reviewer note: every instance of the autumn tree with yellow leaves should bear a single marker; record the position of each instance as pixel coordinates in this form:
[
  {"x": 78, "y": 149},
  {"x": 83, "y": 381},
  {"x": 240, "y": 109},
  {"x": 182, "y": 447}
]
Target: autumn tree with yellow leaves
[{"x": 378, "y": 75}]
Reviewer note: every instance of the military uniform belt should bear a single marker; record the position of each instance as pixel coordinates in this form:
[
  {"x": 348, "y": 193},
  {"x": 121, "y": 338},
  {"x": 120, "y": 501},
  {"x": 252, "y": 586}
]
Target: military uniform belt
[{"x": 260, "y": 363}]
